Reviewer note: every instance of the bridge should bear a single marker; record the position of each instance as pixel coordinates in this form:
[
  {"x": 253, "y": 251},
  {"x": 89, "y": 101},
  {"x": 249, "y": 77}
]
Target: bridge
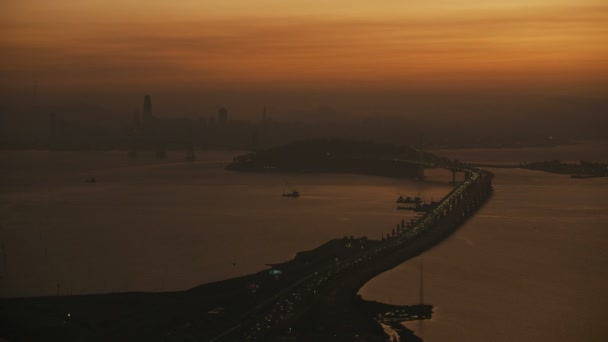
[{"x": 324, "y": 299}]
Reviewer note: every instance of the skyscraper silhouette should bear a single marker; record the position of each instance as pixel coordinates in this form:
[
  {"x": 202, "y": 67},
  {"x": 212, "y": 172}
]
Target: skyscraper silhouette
[{"x": 147, "y": 109}]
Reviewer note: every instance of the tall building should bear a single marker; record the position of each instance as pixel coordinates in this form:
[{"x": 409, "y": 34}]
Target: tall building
[
  {"x": 52, "y": 129},
  {"x": 147, "y": 109},
  {"x": 222, "y": 116}
]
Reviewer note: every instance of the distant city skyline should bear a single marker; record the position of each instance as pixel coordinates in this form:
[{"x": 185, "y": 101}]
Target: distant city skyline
[{"x": 295, "y": 52}]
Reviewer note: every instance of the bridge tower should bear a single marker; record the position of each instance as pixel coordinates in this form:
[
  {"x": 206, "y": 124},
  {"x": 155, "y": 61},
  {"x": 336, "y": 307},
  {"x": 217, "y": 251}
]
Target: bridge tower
[
  {"x": 421, "y": 165},
  {"x": 418, "y": 148}
]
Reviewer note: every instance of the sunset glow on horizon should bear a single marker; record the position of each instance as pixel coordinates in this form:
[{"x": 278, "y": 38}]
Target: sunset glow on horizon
[{"x": 306, "y": 44}]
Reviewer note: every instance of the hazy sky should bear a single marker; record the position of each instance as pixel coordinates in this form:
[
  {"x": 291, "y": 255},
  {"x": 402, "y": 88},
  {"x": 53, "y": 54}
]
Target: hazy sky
[{"x": 127, "y": 46}]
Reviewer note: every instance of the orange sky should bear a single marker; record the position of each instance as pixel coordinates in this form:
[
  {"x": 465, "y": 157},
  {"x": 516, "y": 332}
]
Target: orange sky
[{"x": 556, "y": 45}]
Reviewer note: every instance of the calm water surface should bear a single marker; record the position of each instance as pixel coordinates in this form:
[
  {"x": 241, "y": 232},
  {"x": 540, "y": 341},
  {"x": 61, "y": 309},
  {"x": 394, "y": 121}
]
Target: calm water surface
[
  {"x": 530, "y": 266},
  {"x": 171, "y": 225}
]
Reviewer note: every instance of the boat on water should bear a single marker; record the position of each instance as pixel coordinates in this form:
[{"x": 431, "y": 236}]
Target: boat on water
[
  {"x": 425, "y": 207},
  {"x": 410, "y": 203},
  {"x": 420, "y": 207},
  {"x": 294, "y": 193},
  {"x": 409, "y": 200}
]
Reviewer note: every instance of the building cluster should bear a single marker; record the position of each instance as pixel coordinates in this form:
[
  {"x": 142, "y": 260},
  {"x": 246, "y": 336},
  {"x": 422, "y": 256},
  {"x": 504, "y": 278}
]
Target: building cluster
[
  {"x": 147, "y": 132},
  {"x": 160, "y": 134}
]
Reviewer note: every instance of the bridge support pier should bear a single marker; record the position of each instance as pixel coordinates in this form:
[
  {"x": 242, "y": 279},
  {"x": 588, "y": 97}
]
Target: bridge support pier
[{"x": 421, "y": 172}]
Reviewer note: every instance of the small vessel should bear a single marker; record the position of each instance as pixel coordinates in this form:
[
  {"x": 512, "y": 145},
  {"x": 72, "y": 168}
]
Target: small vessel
[
  {"x": 420, "y": 207},
  {"x": 425, "y": 207},
  {"x": 409, "y": 200},
  {"x": 410, "y": 203},
  {"x": 294, "y": 193}
]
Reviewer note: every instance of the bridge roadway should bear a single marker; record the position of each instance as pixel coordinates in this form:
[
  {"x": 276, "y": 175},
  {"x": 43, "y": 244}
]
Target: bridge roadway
[{"x": 330, "y": 291}]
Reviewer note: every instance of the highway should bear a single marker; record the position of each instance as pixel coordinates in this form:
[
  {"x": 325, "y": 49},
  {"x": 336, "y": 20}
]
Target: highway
[{"x": 340, "y": 280}]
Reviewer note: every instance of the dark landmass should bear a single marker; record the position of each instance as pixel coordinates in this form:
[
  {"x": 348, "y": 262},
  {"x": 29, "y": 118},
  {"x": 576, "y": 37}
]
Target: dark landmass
[
  {"x": 200, "y": 313},
  {"x": 339, "y": 156},
  {"x": 583, "y": 169},
  {"x": 311, "y": 298}
]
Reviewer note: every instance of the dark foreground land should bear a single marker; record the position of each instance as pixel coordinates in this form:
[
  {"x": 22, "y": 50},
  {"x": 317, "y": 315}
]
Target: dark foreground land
[
  {"x": 310, "y": 298},
  {"x": 197, "y": 314}
]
